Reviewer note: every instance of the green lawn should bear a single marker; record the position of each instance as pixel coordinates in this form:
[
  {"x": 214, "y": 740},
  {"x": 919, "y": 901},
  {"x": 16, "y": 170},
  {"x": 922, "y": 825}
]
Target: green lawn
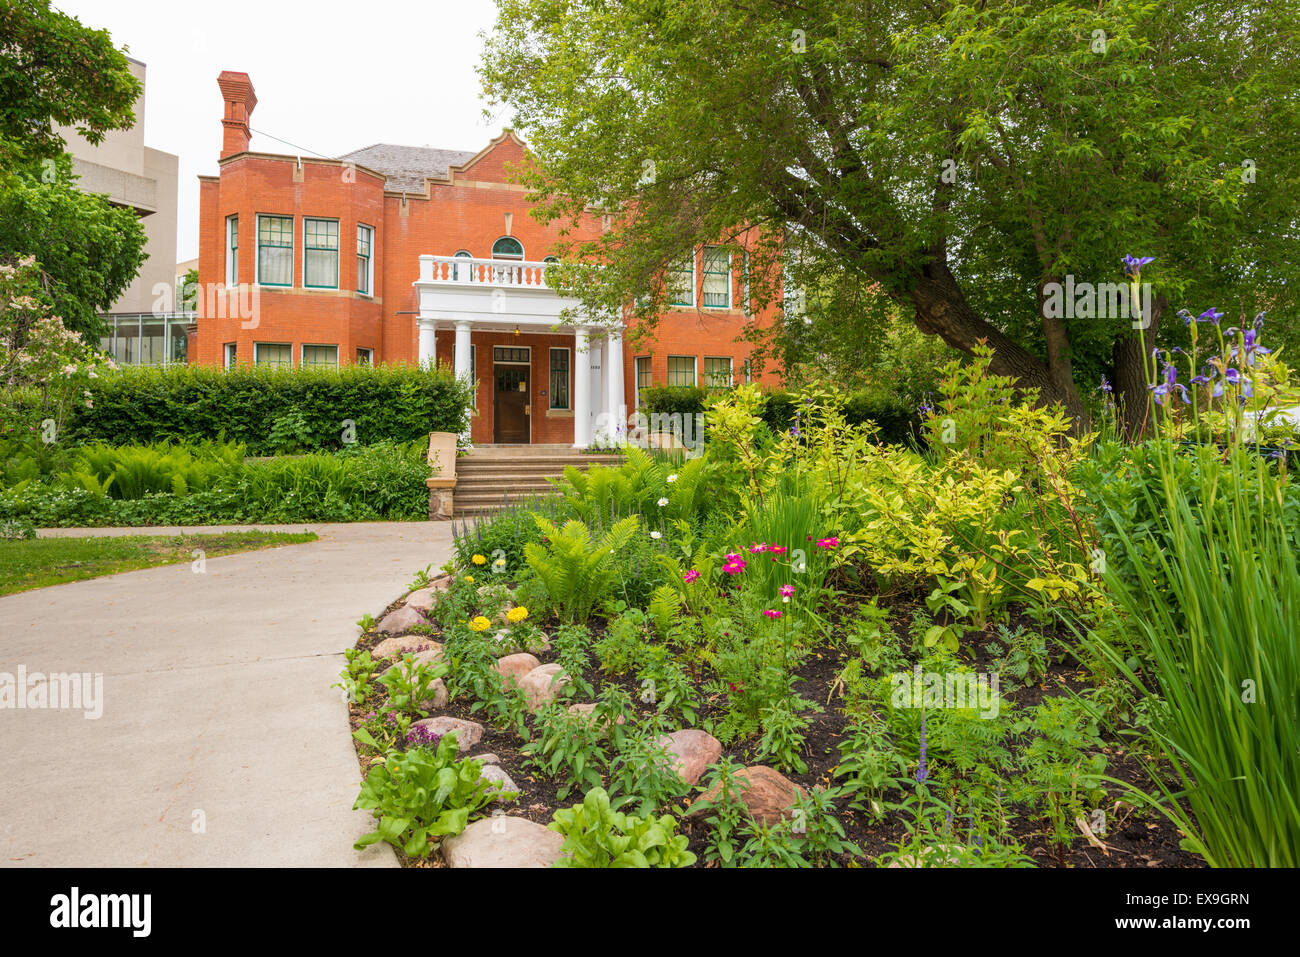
[{"x": 37, "y": 562}]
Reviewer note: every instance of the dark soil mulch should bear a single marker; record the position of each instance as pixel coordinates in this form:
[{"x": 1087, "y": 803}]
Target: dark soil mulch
[{"x": 1141, "y": 838}]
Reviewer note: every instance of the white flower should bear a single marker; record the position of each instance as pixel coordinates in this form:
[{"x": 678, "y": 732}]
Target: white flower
[
  {"x": 656, "y": 535},
  {"x": 672, "y": 478},
  {"x": 663, "y": 502}
]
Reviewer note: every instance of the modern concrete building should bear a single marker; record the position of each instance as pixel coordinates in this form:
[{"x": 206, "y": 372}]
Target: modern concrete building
[{"x": 147, "y": 325}]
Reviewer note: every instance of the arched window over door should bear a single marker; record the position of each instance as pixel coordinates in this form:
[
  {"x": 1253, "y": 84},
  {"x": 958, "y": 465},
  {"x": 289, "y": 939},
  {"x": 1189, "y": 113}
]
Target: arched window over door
[{"x": 507, "y": 247}]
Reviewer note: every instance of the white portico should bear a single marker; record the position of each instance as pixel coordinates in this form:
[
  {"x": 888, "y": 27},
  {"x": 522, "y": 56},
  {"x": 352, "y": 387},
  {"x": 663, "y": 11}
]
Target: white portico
[{"x": 502, "y": 305}]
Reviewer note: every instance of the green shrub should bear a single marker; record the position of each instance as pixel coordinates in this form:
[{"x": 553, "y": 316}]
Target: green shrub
[
  {"x": 271, "y": 410},
  {"x": 380, "y": 482},
  {"x": 895, "y": 417}
]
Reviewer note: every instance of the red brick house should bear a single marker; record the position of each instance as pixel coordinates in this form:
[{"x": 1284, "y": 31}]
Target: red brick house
[{"x": 397, "y": 254}]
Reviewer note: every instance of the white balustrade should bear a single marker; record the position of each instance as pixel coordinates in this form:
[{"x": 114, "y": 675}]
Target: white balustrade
[{"x": 461, "y": 270}]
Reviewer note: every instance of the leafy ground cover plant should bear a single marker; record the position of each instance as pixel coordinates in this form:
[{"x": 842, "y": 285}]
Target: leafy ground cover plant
[
  {"x": 420, "y": 794},
  {"x": 596, "y": 835}
]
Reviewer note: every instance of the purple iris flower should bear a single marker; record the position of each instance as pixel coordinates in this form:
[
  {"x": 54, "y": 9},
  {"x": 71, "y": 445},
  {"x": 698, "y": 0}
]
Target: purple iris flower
[
  {"x": 1105, "y": 386},
  {"x": 1250, "y": 340},
  {"x": 1168, "y": 386},
  {"x": 1210, "y": 315},
  {"x": 1133, "y": 264}
]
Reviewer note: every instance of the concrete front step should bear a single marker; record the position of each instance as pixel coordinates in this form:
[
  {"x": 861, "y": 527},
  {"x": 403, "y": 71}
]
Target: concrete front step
[{"x": 492, "y": 478}]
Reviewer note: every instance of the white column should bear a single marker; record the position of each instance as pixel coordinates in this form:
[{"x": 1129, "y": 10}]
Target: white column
[
  {"x": 428, "y": 347},
  {"x": 581, "y": 387},
  {"x": 462, "y": 351},
  {"x": 614, "y": 404}
]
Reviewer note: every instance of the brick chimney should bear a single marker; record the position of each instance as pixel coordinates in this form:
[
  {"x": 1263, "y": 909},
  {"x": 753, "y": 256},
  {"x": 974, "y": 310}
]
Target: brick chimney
[{"x": 237, "y": 89}]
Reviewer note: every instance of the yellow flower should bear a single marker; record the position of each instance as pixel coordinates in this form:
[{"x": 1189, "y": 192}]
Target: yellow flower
[
  {"x": 479, "y": 560},
  {"x": 479, "y": 624},
  {"x": 516, "y": 614},
  {"x": 470, "y": 579}
]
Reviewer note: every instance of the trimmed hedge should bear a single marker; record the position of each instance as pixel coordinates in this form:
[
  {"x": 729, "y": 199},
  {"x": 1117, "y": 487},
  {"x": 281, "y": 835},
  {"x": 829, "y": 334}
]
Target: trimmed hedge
[
  {"x": 270, "y": 410},
  {"x": 898, "y": 424}
]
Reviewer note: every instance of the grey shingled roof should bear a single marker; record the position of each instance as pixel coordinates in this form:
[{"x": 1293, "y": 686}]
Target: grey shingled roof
[{"x": 406, "y": 167}]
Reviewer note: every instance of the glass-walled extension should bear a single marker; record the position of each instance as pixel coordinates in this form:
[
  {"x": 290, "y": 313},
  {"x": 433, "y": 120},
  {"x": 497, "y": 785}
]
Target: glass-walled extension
[{"x": 147, "y": 339}]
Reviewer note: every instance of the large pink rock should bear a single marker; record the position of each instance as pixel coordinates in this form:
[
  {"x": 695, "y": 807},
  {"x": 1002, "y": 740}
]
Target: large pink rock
[
  {"x": 512, "y": 668},
  {"x": 422, "y": 599},
  {"x": 769, "y": 794},
  {"x": 401, "y": 620},
  {"x": 501, "y": 841},
  {"x": 695, "y": 750},
  {"x": 468, "y": 733},
  {"x": 542, "y": 684},
  {"x": 406, "y": 644}
]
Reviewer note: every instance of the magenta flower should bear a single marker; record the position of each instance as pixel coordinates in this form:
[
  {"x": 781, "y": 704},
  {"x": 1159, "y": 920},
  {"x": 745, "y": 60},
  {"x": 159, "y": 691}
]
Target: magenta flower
[
  {"x": 771, "y": 613},
  {"x": 780, "y": 549},
  {"x": 828, "y": 542},
  {"x": 690, "y": 576},
  {"x": 787, "y": 591},
  {"x": 734, "y": 567}
]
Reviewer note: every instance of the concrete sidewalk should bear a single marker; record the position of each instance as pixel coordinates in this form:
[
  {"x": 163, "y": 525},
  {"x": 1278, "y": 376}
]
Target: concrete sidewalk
[{"x": 221, "y": 742}]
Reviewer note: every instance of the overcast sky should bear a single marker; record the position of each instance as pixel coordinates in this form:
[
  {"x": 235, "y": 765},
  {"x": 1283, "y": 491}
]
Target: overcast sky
[{"x": 331, "y": 76}]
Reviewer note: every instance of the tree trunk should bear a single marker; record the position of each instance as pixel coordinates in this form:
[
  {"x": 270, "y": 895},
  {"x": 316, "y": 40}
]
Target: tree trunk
[{"x": 941, "y": 309}]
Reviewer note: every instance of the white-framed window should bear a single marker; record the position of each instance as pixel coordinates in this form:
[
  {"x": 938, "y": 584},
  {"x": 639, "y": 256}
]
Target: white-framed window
[
  {"x": 681, "y": 370},
  {"x": 278, "y": 354},
  {"x": 365, "y": 357},
  {"x": 748, "y": 372},
  {"x": 320, "y": 253},
  {"x": 717, "y": 278},
  {"x": 232, "y": 251},
  {"x": 681, "y": 282},
  {"x": 274, "y": 250},
  {"x": 644, "y": 378},
  {"x": 559, "y": 384},
  {"x": 320, "y": 357},
  {"x": 365, "y": 260},
  {"x": 717, "y": 372},
  {"x": 229, "y": 352}
]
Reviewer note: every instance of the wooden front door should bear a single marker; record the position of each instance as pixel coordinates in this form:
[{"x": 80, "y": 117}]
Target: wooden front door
[{"x": 510, "y": 404}]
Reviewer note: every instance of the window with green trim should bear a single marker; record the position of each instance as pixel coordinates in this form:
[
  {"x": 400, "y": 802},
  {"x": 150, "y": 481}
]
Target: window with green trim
[
  {"x": 275, "y": 250},
  {"x": 321, "y": 357},
  {"x": 717, "y": 277},
  {"x": 644, "y": 379},
  {"x": 681, "y": 370},
  {"x": 365, "y": 240},
  {"x": 717, "y": 372},
  {"x": 320, "y": 240},
  {"x": 681, "y": 282},
  {"x": 559, "y": 378},
  {"x": 273, "y": 354},
  {"x": 507, "y": 247},
  {"x": 232, "y": 250}
]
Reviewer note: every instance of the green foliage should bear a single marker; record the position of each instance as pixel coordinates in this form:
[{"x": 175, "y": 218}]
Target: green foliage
[
  {"x": 144, "y": 404},
  {"x": 420, "y": 794},
  {"x": 1062, "y": 763},
  {"x": 596, "y": 835},
  {"x": 725, "y": 812},
  {"x": 576, "y": 571},
  {"x": 356, "y": 675},
  {"x": 410, "y": 685},
  {"x": 211, "y": 484},
  {"x": 1208, "y": 621}
]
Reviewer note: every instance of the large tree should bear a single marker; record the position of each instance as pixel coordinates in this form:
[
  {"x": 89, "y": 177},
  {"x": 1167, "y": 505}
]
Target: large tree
[
  {"x": 54, "y": 70},
  {"x": 963, "y": 156}
]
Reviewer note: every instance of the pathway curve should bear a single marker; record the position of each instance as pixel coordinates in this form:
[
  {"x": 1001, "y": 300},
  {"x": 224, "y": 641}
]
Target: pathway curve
[{"x": 221, "y": 742}]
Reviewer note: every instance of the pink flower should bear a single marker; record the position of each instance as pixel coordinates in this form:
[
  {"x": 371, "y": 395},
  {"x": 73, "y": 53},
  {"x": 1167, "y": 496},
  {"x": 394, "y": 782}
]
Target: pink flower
[
  {"x": 787, "y": 591},
  {"x": 827, "y": 542},
  {"x": 733, "y": 556},
  {"x": 690, "y": 576},
  {"x": 734, "y": 567},
  {"x": 780, "y": 549},
  {"x": 772, "y": 613},
  {"x": 757, "y": 549}
]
